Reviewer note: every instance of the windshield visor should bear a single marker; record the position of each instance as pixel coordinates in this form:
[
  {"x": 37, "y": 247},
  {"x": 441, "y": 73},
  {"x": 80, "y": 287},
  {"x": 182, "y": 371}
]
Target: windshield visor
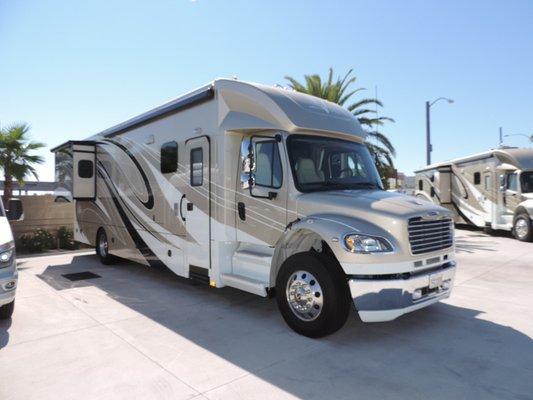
[{"x": 320, "y": 163}]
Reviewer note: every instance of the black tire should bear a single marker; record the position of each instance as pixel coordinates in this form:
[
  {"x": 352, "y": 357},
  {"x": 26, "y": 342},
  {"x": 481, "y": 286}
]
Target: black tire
[
  {"x": 6, "y": 311},
  {"x": 103, "y": 251},
  {"x": 523, "y": 222},
  {"x": 335, "y": 304}
]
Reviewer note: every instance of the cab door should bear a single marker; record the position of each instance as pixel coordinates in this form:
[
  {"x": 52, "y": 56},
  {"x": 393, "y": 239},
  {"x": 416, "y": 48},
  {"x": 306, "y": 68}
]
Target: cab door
[
  {"x": 261, "y": 203},
  {"x": 511, "y": 197},
  {"x": 195, "y": 204}
]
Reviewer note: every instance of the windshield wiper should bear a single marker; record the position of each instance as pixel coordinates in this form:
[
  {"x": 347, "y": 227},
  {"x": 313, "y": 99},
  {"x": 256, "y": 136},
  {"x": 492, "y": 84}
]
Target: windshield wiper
[{"x": 371, "y": 185}]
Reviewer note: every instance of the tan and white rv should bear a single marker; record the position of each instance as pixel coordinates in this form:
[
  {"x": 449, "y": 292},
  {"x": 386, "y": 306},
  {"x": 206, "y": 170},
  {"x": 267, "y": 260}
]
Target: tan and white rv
[
  {"x": 265, "y": 190},
  {"x": 491, "y": 190}
]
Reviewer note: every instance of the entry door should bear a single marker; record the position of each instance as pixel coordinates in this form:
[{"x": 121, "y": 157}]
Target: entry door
[
  {"x": 84, "y": 171},
  {"x": 260, "y": 220},
  {"x": 196, "y": 204}
]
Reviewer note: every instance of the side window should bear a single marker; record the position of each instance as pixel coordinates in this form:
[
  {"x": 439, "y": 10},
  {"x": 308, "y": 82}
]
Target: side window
[
  {"x": 477, "y": 178},
  {"x": 169, "y": 157},
  {"x": 488, "y": 182},
  {"x": 512, "y": 182},
  {"x": 268, "y": 172},
  {"x": 197, "y": 167},
  {"x": 420, "y": 184},
  {"x": 85, "y": 169}
]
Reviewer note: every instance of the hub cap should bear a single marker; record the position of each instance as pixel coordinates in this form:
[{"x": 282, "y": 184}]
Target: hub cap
[
  {"x": 521, "y": 228},
  {"x": 304, "y": 295},
  {"x": 102, "y": 244}
]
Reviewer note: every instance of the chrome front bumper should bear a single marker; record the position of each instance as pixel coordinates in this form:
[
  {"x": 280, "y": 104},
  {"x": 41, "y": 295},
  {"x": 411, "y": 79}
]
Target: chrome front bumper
[
  {"x": 384, "y": 298},
  {"x": 8, "y": 283}
]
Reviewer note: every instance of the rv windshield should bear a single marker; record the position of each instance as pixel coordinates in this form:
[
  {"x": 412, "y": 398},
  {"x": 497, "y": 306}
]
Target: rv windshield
[
  {"x": 320, "y": 163},
  {"x": 526, "y": 179}
]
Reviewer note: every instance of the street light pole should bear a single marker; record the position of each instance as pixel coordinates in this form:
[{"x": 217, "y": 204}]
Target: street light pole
[
  {"x": 529, "y": 137},
  {"x": 429, "y": 146},
  {"x": 428, "y": 135}
]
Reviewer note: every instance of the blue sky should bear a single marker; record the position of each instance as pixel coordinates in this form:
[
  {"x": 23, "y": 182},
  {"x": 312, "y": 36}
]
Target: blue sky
[{"x": 72, "y": 68}]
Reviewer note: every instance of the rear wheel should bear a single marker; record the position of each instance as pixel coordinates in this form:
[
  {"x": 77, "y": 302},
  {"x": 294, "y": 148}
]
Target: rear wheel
[
  {"x": 6, "y": 311},
  {"x": 312, "y": 294},
  {"x": 102, "y": 248},
  {"x": 522, "y": 228}
]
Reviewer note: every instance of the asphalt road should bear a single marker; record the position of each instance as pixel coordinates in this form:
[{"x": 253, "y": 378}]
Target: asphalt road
[{"x": 136, "y": 333}]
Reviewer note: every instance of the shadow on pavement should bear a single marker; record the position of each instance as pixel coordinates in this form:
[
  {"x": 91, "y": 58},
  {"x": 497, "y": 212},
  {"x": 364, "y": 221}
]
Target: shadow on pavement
[{"x": 440, "y": 352}]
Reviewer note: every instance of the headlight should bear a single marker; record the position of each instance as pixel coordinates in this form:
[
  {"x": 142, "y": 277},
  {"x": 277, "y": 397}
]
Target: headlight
[
  {"x": 5, "y": 257},
  {"x": 366, "y": 244}
]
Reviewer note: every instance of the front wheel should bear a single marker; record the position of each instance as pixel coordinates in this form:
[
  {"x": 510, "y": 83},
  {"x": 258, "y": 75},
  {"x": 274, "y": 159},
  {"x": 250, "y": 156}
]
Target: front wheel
[
  {"x": 6, "y": 311},
  {"x": 522, "y": 228},
  {"x": 102, "y": 248},
  {"x": 312, "y": 294}
]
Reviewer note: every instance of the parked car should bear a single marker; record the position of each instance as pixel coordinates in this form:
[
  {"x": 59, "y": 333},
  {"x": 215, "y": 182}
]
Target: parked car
[{"x": 8, "y": 265}]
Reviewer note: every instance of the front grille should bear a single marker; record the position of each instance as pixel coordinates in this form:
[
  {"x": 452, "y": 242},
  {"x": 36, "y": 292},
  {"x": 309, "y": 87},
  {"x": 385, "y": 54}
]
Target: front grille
[{"x": 427, "y": 235}]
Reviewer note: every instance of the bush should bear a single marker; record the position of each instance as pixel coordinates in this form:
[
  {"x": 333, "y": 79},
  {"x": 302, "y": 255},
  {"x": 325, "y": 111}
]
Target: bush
[
  {"x": 65, "y": 238},
  {"x": 39, "y": 241}
]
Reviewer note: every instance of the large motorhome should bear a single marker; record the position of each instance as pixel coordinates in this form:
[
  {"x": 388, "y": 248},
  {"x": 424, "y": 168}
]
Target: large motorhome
[
  {"x": 491, "y": 190},
  {"x": 266, "y": 190}
]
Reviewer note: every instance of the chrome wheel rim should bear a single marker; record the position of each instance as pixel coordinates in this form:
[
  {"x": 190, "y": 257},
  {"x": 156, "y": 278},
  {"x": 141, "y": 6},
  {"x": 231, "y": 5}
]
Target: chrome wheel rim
[
  {"x": 521, "y": 228},
  {"x": 102, "y": 244},
  {"x": 304, "y": 295}
]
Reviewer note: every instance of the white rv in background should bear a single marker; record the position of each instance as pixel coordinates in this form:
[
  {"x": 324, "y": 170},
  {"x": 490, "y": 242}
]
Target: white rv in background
[
  {"x": 265, "y": 190},
  {"x": 491, "y": 190}
]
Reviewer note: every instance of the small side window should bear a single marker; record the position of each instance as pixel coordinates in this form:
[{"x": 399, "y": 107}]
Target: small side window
[
  {"x": 420, "y": 184},
  {"x": 488, "y": 182},
  {"x": 169, "y": 157},
  {"x": 197, "y": 167},
  {"x": 85, "y": 169},
  {"x": 477, "y": 178}
]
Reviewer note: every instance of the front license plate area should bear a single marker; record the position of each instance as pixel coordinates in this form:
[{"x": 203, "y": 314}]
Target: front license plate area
[{"x": 435, "y": 280}]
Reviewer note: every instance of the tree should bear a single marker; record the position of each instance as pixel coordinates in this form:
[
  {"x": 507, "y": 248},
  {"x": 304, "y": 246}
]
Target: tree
[
  {"x": 15, "y": 159},
  {"x": 340, "y": 91}
]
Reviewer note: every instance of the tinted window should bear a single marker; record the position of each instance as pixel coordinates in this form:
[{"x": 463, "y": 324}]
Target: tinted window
[
  {"x": 420, "y": 184},
  {"x": 527, "y": 182},
  {"x": 197, "y": 167},
  {"x": 85, "y": 169},
  {"x": 512, "y": 182},
  {"x": 477, "y": 178},
  {"x": 267, "y": 164},
  {"x": 169, "y": 157}
]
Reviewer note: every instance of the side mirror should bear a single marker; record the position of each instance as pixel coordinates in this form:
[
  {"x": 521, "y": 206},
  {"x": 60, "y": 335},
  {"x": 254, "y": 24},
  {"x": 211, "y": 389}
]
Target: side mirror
[{"x": 14, "y": 211}]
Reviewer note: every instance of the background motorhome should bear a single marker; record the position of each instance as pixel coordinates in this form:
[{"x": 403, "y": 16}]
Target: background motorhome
[{"x": 491, "y": 190}]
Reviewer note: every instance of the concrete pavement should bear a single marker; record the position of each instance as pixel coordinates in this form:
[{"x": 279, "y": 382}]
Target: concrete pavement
[{"x": 141, "y": 333}]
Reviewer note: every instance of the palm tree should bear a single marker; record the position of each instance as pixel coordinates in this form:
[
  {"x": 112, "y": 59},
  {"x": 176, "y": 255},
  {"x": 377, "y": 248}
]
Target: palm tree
[
  {"x": 15, "y": 158},
  {"x": 339, "y": 91}
]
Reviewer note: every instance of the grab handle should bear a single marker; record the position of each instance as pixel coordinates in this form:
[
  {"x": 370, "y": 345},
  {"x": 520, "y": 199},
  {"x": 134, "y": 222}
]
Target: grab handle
[{"x": 181, "y": 212}]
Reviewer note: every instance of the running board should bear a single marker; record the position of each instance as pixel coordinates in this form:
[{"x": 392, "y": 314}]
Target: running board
[{"x": 245, "y": 284}]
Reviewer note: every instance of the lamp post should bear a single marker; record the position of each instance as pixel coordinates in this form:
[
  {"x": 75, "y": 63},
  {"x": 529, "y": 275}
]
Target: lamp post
[
  {"x": 429, "y": 147},
  {"x": 529, "y": 137}
]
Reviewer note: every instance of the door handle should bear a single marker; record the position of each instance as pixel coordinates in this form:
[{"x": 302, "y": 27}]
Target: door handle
[
  {"x": 181, "y": 212},
  {"x": 242, "y": 211}
]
